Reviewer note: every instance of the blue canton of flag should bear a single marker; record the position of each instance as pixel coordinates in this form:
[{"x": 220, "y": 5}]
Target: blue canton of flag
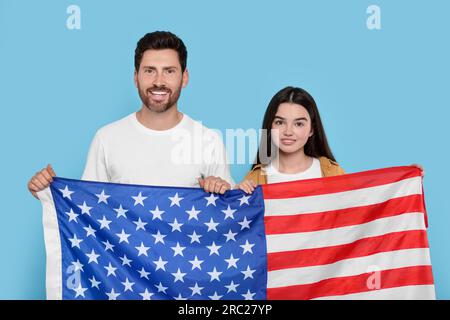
[{"x": 120, "y": 241}]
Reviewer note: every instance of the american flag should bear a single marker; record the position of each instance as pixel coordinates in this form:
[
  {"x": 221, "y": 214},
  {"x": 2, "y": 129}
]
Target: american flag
[{"x": 356, "y": 236}]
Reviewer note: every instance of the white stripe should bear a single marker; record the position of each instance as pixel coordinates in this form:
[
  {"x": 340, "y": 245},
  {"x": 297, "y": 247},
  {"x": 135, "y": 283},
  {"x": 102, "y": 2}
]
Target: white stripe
[
  {"x": 344, "y": 235},
  {"x": 424, "y": 292},
  {"x": 342, "y": 200},
  {"x": 52, "y": 246},
  {"x": 349, "y": 267}
]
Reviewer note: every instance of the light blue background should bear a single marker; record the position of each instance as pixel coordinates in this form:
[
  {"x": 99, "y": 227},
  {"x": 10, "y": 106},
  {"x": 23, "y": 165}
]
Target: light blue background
[{"x": 383, "y": 95}]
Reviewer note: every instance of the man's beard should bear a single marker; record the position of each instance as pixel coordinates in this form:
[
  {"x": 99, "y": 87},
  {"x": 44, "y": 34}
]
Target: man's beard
[{"x": 159, "y": 107}]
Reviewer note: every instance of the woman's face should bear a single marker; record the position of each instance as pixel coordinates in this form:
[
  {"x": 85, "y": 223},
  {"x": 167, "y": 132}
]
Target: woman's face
[{"x": 291, "y": 127}]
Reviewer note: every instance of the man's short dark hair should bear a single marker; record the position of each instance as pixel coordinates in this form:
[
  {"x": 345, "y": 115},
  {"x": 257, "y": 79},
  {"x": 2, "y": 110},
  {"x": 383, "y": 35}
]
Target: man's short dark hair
[{"x": 159, "y": 40}]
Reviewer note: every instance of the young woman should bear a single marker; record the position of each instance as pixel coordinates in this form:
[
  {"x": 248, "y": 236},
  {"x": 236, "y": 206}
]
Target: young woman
[{"x": 295, "y": 142}]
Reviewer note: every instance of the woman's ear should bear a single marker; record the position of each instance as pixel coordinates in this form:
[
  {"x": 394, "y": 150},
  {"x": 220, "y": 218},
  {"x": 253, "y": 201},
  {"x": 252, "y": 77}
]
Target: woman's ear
[{"x": 311, "y": 133}]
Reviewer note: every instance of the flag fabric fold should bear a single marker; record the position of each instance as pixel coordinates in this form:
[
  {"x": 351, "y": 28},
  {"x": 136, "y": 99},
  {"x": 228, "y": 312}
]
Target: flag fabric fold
[{"x": 355, "y": 236}]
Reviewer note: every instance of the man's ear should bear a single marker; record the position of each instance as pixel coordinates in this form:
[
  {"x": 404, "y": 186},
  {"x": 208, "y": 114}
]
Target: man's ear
[
  {"x": 135, "y": 79},
  {"x": 185, "y": 79}
]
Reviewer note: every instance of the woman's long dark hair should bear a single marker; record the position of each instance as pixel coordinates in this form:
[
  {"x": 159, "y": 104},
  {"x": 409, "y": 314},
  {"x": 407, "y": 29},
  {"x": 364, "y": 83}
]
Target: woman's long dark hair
[{"x": 317, "y": 144}]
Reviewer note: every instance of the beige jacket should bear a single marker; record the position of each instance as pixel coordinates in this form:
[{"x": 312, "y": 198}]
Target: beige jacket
[{"x": 329, "y": 168}]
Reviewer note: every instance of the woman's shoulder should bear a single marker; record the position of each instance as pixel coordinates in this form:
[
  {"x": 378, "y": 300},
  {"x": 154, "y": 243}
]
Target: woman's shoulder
[
  {"x": 257, "y": 174},
  {"x": 257, "y": 167},
  {"x": 330, "y": 168}
]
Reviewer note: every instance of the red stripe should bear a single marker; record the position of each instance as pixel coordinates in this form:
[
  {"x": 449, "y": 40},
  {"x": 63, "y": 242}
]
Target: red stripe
[
  {"x": 418, "y": 275},
  {"x": 360, "y": 248},
  {"x": 281, "y": 224},
  {"x": 340, "y": 183}
]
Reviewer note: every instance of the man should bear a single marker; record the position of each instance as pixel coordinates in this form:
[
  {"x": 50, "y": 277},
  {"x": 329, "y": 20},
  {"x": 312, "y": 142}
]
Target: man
[{"x": 145, "y": 146}]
